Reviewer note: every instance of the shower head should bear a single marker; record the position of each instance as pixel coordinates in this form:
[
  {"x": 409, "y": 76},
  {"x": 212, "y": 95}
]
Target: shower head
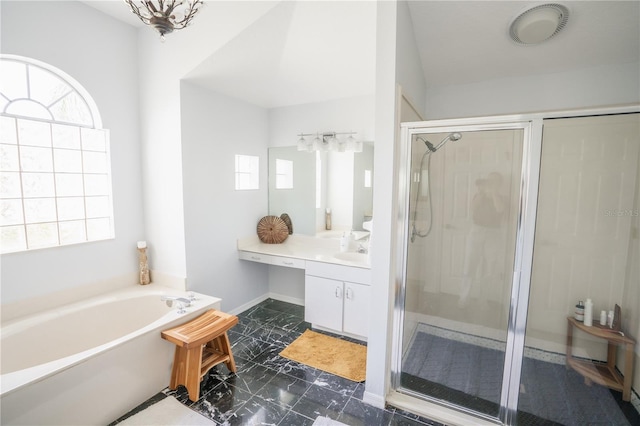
[
  {"x": 455, "y": 136},
  {"x": 451, "y": 136}
]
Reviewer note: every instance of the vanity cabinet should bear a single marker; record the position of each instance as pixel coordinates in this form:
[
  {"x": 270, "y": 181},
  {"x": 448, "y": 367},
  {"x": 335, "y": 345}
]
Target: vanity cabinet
[
  {"x": 337, "y": 298},
  {"x": 337, "y": 290}
]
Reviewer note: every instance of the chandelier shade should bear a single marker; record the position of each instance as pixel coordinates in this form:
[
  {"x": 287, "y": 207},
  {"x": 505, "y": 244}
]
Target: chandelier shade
[{"x": 165, "y": 16}]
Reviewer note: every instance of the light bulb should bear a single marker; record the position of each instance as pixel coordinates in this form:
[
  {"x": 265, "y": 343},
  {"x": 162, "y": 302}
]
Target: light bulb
[
  {"x": 302, "y": 144},
  {"x": 351, "y": 143}
]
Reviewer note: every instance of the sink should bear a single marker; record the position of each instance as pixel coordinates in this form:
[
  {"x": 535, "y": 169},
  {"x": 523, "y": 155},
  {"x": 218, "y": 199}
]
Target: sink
[{"x": 352, "y": 257}]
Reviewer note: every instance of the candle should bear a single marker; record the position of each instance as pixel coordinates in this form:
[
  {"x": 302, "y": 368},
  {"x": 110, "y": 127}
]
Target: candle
[{"x": 142, "y": 244}]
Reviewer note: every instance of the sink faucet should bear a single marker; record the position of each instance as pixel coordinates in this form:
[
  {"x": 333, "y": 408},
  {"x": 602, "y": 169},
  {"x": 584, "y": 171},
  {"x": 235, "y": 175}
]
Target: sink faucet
[
  {"x": 171, "y": 299},
  {"x": 361, "y": 248}
]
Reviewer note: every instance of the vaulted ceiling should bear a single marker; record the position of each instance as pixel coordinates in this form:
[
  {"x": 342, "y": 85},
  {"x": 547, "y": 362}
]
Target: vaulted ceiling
[{"x": 310, "y": 51}]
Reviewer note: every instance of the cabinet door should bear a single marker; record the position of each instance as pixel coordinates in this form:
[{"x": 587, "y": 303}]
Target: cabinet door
[
  {"x": 323, "y": 302},
  {"x": 356, "y": 309}
]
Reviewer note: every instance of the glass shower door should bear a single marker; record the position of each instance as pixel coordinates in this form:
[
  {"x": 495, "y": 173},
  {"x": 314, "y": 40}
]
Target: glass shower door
[
  {"x": 463, "y": 210},
  {"x": 586, "y": 247}
]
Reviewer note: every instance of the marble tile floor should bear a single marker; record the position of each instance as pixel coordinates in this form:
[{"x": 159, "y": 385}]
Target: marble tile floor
[{"x": 270, "y": 390}]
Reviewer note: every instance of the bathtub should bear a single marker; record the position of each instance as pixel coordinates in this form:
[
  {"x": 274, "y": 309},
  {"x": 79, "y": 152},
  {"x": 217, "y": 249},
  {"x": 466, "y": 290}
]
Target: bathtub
[{"x": 92, "y": 361}]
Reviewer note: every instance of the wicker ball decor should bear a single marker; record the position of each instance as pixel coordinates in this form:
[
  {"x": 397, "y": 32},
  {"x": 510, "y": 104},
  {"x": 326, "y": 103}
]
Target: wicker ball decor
[
  {"x": 272, "y": 230},
  {"x": 287, "y": 220}
]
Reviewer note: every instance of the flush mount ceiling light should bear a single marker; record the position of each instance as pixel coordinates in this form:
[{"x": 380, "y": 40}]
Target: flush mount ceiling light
[
  {"x": 539, "y": 23},
  {"x": 165, "y": 15}
]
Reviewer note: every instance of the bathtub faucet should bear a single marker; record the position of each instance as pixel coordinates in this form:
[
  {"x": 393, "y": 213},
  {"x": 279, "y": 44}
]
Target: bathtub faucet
[{"x": 171, "y": 299}]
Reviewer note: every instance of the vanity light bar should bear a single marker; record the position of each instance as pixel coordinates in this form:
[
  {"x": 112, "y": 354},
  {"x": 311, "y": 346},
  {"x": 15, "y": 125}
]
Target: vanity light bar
[{"x": 328, "y": 141}]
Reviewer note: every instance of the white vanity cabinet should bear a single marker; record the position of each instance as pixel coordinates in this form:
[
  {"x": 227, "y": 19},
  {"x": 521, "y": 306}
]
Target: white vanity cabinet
[
  {"x": 337, "y": 298},
  {"x": 336, "y": 288}
]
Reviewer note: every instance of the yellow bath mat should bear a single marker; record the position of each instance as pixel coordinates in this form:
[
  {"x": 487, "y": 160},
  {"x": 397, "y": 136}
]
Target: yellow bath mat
[{"x": 326, "y": 353}]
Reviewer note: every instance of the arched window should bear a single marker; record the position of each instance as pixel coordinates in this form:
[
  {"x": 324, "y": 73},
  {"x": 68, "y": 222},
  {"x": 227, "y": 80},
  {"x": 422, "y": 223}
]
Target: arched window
[{"x": 55, "y": 182}]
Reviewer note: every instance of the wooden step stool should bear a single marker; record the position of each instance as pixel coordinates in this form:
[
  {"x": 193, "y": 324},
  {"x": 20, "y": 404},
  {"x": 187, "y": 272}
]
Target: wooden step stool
[{"x": 201, "y": 344}]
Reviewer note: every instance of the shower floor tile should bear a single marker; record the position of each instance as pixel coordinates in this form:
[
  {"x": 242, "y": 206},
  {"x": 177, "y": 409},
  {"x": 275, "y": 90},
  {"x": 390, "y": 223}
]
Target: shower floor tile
[{"x": 471, "y": 376}]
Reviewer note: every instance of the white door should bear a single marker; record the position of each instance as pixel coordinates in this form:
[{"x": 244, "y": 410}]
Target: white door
[
  {"x": 585, "y": 209},
  {"x": 323, "y": 302},
  {"x": 356, "y": 309}
]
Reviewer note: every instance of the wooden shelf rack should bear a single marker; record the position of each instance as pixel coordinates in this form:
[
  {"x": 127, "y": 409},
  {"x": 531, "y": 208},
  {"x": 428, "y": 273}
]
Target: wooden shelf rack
[{"x": 603, "y": 373}]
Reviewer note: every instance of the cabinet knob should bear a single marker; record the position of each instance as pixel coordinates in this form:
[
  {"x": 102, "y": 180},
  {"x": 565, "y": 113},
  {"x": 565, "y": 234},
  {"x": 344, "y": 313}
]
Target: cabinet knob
[
  {"x": 338, "y": 292},
  {"x": 349, "y": 293}
]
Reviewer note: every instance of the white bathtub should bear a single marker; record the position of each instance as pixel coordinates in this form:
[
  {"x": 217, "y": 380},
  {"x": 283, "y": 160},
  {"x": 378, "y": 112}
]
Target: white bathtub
[{"x": 91, "y": 361}]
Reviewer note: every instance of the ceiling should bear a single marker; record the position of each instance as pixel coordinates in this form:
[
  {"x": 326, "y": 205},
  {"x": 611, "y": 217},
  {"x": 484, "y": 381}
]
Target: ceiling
[
  {"x": 299, "y": 52},
  {"x": 310, "y": 51},
  {"x": 468, "y": 41}
]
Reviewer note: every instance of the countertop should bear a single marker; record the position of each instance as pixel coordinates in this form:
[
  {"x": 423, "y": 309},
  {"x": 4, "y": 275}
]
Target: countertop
[{"x": 317, "y": 249}]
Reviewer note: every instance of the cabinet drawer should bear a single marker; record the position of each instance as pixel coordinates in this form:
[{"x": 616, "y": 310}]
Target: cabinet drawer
[
  {"x": 288, "y": 262},
  {"x": 255, "y": 257},
  {"x": 339, "y": 272}
]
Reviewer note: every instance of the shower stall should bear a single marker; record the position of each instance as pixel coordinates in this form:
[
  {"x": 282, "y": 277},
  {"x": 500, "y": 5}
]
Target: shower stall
[{"x": 506, "y": 223}]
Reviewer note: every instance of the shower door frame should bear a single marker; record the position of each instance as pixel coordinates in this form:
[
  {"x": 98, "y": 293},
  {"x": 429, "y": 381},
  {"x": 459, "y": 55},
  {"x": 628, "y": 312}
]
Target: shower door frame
[{"x": 521, "y": 280}]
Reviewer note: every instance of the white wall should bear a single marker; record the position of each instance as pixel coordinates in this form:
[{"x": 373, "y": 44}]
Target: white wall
[
  {"x": 286, "y": 284},
  {"x": 162, "y": 65},
  {"x": 397, "y": 64},
  {"x": 382, "y": 240},
  {"x": 408, "y": 64},
  {"x": 605, "y": 85},
  {"x": 214, "y": 129},
  {"x": 341, "y": 115},
  {"x": 101, "y": 54}
]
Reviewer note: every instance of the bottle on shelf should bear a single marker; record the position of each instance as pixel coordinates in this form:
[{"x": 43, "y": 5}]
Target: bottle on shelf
[{"x": 588, "y": 313}]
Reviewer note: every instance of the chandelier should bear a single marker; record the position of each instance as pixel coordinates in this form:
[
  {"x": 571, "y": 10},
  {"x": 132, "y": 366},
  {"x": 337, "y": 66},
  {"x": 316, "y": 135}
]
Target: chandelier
[
  {"x": 165, "y": 15},
  {"x": 329, "y": 141}
]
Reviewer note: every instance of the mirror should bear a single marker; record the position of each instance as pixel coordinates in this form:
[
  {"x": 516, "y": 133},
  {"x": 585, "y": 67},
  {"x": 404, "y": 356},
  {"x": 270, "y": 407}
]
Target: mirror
[{"x": 305, "y": 184}]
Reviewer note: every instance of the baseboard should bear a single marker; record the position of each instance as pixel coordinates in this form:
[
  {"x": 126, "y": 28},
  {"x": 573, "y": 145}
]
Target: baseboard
[
  {"x": 284, "y": 298},
  {"x": 249, "y": 304},
  {"x": 373, "y": 399},
  {"x": 260, "y": 299}
]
